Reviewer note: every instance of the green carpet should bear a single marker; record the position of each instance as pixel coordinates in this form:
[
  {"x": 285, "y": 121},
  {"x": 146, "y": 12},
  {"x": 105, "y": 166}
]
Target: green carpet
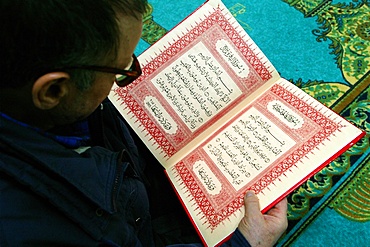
[{"x": 323, "y": 47}]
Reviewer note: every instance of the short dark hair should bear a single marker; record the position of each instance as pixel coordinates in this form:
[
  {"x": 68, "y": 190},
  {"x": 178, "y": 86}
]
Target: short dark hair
[{"x": 38, "y": 36}]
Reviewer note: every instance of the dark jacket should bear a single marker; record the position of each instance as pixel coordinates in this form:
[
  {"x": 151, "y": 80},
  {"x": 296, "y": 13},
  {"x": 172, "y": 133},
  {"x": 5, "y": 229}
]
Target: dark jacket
[{"x": 51, "y": 195}]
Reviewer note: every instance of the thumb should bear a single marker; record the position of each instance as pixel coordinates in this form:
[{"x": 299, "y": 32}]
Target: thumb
[{"x": 252, "y": 204}]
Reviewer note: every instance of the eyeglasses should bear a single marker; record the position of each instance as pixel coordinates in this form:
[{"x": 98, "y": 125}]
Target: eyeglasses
[{"x": 123, "y": 77}]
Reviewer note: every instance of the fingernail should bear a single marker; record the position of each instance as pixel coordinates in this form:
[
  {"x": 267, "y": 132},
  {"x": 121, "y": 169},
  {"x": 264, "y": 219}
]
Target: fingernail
[{"x": 249, "y": 194}]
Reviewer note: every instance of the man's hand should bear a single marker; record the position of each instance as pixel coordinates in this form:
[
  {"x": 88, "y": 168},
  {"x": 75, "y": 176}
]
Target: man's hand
[{"x": 263, "y": 229}]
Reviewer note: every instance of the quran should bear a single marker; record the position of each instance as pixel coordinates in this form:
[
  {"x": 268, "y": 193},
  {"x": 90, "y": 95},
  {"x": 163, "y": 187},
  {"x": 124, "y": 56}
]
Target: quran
[{"x": 216, "y": 114}]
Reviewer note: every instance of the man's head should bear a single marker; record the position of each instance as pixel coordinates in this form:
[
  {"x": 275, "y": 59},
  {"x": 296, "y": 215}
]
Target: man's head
[{"x": 40, "y": 38}]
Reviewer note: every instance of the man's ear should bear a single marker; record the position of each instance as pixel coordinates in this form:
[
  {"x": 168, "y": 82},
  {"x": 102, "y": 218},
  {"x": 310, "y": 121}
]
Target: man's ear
[{"x": 49, "y": 89}]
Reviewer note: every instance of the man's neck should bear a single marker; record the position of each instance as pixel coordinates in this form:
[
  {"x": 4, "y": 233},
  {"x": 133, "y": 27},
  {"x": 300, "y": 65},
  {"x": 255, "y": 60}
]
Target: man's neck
[{"x": 18, "y": 105}]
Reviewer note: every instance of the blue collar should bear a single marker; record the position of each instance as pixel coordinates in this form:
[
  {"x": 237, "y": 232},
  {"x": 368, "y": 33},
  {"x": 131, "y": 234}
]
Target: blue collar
[{"x": 79, "y": 137}]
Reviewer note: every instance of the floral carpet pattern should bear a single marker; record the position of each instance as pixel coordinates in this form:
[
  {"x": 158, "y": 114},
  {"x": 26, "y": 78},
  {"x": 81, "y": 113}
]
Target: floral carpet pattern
[{"x": 322, "y": 46}]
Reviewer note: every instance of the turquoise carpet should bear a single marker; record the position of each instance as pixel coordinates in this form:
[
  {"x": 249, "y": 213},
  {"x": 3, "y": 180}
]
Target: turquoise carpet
[{"x": 323, "y": 47}]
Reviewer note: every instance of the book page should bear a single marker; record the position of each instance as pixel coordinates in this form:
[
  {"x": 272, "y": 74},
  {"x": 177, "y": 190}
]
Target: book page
[
  {"x": 270, "y": 147},
  {"x": 191, "y": 78}
]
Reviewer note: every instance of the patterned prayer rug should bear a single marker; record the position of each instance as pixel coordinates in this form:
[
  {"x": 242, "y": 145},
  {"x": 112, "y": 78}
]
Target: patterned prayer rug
[{"x": 322, "y": 46}]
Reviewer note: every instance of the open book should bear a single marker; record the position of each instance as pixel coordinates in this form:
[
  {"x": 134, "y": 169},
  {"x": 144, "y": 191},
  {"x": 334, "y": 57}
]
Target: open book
[{"x": 216, "y": 114}]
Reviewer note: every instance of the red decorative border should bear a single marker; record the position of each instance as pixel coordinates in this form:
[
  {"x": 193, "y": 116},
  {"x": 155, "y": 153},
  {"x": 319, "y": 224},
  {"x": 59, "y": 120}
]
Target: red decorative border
[
  {"x": 144, "y": 119},
  {"x": 216, "y": 18},
  {"x": 328, "y": 127},
  {"x": 213, "y": 217}
]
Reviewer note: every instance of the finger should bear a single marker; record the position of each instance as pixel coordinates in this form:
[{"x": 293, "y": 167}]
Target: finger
[
  {"x": 278, "y": 215},
  {"x": 252, "y": 204},
  {"x": 280, "y": 208},
  {"x": 282, "y": 205}
]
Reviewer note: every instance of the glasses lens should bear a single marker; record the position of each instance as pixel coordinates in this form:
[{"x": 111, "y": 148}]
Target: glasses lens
[
  {"x": 120, "y": 78},
  {"x": 130, "y": 75}
]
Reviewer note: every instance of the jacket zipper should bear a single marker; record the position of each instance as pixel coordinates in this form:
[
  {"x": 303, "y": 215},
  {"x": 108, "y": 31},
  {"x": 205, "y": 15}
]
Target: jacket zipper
[
  {"x": 124, "y": 158},
  {"x": 116, "y": 185}
]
